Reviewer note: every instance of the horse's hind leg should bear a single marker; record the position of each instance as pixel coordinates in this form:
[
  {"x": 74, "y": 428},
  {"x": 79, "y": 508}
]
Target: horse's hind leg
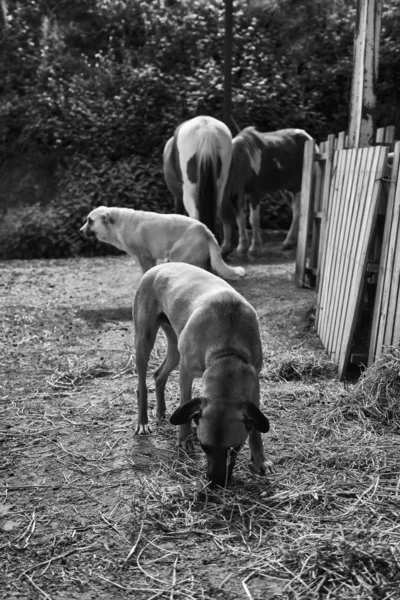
[
  {"x": 241, "y": 221},
  {"x": 179, "y": 206},
  {"x": 256, "y": 242},
  {"x": 291, "y": 238}
]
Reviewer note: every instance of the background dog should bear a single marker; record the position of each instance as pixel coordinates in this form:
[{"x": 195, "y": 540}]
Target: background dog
[
  {"x": 213, "y": 333},
  {"x": 149, "y": 236}
]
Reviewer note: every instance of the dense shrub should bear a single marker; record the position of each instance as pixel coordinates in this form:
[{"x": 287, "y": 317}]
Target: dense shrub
[{"x": 92, "y": 89}]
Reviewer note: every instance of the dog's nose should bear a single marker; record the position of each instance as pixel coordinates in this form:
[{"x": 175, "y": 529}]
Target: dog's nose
[{"x": 87, "y": 232}]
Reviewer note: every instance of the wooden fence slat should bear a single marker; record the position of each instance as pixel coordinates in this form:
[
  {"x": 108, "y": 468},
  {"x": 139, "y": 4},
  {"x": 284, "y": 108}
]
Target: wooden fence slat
[
  {"x": 346, "y": 226},
  {"x": 341, "y": 141},
  {"x": 380, "y": 135},
  {"x": 393, "y": 299},
  {"x": 386, "y": 263},
  {"x": 333, "y": 212},
  {"x": 305, "y": 210},
  {"x": 319, "y": 169},
  {"x": 334, "y": 240},
  {"x": 390, "y": 134},
  {"x": 358, "y": 232},
  {"x": 327, "y": 179},
  {"x": 361, "y": 255},
  {"x": 333, "y": 208},
  {"x": 322, "y": 292}
]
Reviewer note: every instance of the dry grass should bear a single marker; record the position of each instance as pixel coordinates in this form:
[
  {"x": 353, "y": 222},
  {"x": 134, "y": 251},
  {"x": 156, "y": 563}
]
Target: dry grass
[
  {"x": 297, "y": 364},
  {"x": 378, "y": 391},
  {"x": 91, "y": 511},
  {"x": 324, "y": 525}
]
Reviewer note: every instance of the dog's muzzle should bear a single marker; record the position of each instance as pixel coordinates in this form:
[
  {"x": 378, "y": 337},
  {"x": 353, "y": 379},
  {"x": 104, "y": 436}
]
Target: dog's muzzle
[
  {"x": 87, "y": 232},
  {"x": 219, "y": 470}
]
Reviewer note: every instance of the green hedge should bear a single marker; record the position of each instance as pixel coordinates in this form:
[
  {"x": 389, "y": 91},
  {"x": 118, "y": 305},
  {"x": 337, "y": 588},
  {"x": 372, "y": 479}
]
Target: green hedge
[{"x": 92, "y": 90}]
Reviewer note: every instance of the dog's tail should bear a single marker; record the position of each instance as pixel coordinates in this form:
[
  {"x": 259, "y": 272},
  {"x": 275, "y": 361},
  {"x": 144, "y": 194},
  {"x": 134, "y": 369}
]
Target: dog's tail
[{"x": 217, "y": 262}]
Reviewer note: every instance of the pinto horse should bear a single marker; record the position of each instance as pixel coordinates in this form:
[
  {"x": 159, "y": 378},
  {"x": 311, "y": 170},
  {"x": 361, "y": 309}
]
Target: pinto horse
[
  {"x": 197, "y": 160},
  {"x": 263, "y": 163}
]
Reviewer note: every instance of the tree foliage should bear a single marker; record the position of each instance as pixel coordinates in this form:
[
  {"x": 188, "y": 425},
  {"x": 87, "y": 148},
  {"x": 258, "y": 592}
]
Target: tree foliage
[{"x": 92, "y": 89}]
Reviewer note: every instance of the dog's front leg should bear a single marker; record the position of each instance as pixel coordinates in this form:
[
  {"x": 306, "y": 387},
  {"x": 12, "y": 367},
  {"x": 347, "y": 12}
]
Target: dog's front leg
[
  {"x": 185, "y": 384},
  {"x": 260, "y": 464},
  {"x": 146, "y": 261}
]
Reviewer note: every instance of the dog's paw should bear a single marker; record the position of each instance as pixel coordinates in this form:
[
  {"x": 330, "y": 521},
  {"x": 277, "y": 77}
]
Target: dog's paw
[
  {"x": 143, "y": 429},
  {"x": 264, "y": 467},
  {"x": 161, "y": 415},
  {"x": 239, "y": 272},
  {"x": 186, "y": 445}
]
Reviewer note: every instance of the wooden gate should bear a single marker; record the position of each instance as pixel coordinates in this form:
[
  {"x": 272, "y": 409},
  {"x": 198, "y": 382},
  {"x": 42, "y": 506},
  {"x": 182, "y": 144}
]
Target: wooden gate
[
  {"x": 385, "y": 329},
  {"x": 352, "y": 211}
]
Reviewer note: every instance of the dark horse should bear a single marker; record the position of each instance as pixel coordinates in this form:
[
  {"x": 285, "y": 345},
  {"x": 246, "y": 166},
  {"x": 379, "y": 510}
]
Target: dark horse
[
  {"x": 263, "y": 163},
  {"x": 196, "y": 167}
]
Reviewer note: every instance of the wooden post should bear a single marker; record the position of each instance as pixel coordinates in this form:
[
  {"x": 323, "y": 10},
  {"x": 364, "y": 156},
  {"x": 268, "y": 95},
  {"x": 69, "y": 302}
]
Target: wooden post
[
  {"x": 228, "y": 44},
  {"x": 365, "y": 73}
]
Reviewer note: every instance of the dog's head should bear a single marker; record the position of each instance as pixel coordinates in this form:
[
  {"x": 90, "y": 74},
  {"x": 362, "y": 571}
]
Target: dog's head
[
  {"x": 222, "y": 430},
  {"x": 98, "y": 224}
]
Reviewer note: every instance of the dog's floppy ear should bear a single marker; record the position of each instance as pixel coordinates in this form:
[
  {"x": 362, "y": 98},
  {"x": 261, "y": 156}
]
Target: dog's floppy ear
[
  {"x": 190, "y": 410},
  {"x": 253, "y": 414},
  {"x": 107, "y": 218}
]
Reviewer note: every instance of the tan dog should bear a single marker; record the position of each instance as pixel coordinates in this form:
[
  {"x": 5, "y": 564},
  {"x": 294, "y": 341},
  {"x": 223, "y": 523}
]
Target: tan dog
[
  {"x": 213, "y": 332},
  {"x": 149, "y": 236}
]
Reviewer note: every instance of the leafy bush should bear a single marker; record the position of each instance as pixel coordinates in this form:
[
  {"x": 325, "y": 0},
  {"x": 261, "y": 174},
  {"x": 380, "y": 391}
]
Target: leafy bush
[
  {"x": 52, "y": 230},
  {"x": 92, "y": 89}
]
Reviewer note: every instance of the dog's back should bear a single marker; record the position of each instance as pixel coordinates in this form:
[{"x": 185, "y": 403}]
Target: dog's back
[
  {"x": 195, "y": 300},
  {"x": 212, "y": 332}
]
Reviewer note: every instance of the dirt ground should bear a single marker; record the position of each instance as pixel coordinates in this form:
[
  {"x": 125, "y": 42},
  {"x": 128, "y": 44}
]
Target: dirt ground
[{"x": 88, "y": 509}]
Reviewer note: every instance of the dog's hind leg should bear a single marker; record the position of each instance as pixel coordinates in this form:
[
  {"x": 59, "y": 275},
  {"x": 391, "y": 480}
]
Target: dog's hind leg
[
  {"x": 191, "y": 248},
  {"x": 146, "y": 326},
  {"x": 169, "y": 363},
  {"x": 146, "y": 261}
]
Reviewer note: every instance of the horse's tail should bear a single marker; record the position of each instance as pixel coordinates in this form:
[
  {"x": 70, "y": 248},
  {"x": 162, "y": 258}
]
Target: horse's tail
[
  {"x": 217, "y": 262},
  {"x": 228, "y": 208},
  {"x": 207, "y": 178}
]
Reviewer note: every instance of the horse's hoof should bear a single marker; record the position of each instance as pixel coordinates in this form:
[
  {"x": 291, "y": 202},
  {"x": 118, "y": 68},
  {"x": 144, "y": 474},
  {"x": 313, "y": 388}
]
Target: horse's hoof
[
  {"x": 241, "y": 251},
  {"x": 255, "y": 251},
  {"x": 226, "y": 250},
  {"x": 287, "y": 245}
]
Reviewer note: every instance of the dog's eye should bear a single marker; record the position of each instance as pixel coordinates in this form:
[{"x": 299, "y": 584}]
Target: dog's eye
[
  {"x": 249, "y": 424},
  {"x": 90, "y": 221}
]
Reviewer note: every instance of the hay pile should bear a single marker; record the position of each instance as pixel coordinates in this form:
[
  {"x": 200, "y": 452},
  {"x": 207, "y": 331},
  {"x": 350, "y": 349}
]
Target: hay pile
[
  {"x": 111, "y": 515},
  {"x": 378, "y": 391}
]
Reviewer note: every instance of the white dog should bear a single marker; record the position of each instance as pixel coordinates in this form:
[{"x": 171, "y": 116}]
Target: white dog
[{"x": 149, "y": 236}]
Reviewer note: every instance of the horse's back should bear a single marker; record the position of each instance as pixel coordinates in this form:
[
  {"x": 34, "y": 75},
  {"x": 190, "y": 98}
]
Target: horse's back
[
  {"x": 204, "y": 149},
  {"x": 276, "y": 158}
]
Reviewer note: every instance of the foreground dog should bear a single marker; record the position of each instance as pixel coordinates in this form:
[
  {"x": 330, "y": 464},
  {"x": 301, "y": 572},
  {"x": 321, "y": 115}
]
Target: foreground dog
[
  {"x": 149, "y": 236},
  {"x": 212, "y": 331}
]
